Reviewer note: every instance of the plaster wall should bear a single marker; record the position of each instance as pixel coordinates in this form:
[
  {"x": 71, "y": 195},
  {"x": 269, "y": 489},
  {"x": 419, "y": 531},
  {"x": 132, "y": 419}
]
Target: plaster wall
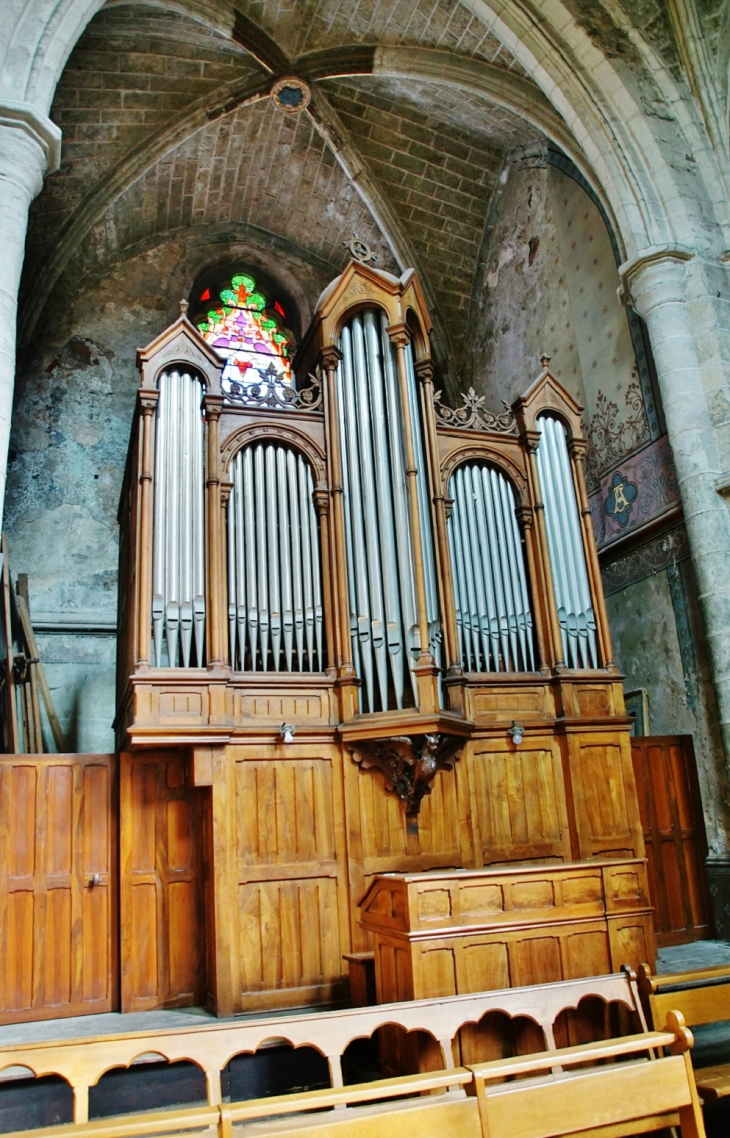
[
  {"x": 656, "y": 630},
  {"x": 546, "y": 284}
]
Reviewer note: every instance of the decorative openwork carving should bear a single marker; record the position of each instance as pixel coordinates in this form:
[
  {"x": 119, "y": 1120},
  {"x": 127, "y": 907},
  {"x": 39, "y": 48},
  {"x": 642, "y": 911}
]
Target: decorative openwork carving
[
  {"x": 409, "y": 762},
  {"x": 473, "y": 416},
  {"x": 274, "y": 395}
]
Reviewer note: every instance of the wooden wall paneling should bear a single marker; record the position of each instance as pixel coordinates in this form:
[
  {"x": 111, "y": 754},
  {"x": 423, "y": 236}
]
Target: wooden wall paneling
[
  {"x": 604, "y": 793},
  {"x": 379, "y": 840},
  {"x": 57, "y": 886},
  {"x": 163, "y": 923},
  {"x": 518, "y": 799},
  {"x": 676, "y": 846},
  {"x": 291, "y": 875},
  {"x": 472, "y": 842},
  {"x": 224, "y": 932}
]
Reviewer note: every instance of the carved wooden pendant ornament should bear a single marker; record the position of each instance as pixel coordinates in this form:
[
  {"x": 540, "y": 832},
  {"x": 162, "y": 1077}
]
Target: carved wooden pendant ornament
[{"x": 410, "y": 763}]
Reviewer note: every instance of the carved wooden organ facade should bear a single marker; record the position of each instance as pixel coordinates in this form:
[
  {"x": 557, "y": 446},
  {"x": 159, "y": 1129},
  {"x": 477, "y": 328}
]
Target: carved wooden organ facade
[{"x": 360, "y": 632}]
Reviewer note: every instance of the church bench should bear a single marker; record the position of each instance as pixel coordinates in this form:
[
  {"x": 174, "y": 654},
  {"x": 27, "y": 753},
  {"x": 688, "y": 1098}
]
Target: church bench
[
  {"x": 703, "y": 997},
  {"x": 588, "y": 1089},
  {"x": 612, "y": 1096},
  {"x": 211, "y": 1046}
]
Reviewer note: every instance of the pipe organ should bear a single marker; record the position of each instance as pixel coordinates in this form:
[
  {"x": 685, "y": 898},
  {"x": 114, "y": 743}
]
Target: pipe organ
[
  {"x": 359, "y": 632},
  {"x": 373, "y": 407},
  {"x": 178, "y": 575},
  {"x": 570, "y": 576},
  {"x": 274, "y": 581},
  {"x": 493, "y": 611}
]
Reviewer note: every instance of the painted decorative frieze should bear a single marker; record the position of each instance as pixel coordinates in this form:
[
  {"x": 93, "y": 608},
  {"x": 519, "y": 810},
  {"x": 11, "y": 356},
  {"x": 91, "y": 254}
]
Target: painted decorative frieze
[{"x": 641, "y": 488}]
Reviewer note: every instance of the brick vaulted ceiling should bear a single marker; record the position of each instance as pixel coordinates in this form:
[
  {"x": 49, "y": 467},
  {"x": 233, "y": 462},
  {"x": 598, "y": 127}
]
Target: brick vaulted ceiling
[{"x": 168, "y": 129}]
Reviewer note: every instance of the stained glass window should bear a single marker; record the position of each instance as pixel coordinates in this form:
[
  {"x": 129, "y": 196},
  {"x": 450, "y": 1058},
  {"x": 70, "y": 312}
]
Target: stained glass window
[{"x": 247, "y": 331}]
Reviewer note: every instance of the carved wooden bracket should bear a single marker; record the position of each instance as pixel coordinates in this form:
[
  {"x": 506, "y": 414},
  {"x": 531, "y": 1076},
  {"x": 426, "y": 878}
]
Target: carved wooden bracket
[{"x": 409, "y": 762}]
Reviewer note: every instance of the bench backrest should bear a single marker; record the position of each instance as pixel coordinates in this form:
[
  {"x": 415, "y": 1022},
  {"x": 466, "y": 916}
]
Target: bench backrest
[
  {"x": 603, "y": 1097},
  {"x": 702, "y": 996},
  {"x": 212, "y": 1045}
]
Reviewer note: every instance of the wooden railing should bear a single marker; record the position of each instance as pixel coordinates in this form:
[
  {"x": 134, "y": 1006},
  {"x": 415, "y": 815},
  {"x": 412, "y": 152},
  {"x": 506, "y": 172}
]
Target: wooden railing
[
  {"x": 627, "y": 1097},
  {"x": 82, "y": 1061}
]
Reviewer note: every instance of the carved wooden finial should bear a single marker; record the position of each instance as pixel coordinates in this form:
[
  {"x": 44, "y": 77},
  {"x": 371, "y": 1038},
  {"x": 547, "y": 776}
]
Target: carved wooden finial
[
  {"x": 545, "y": 360},
  {"x": 184, "y": 306}
]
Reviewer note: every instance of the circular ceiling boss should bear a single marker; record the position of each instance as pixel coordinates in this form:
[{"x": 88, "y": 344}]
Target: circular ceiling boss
[{"x": 291, "y": 95}]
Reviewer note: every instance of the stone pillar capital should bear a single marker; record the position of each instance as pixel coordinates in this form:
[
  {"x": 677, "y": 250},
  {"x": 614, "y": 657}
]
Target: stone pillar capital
[
  {"x": 30, "y": 145},
  {"x": 656, "y": 276}
]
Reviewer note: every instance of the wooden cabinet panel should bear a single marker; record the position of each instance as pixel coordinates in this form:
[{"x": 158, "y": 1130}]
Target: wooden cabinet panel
[
  {"x": 518, "y": 803},
  {"x": 285, "y": 812},
  {"x": 676, "y": 847},
  {"x": 287, "y": 884},
  {"x": 289, "y": 942},
  {"x": 57, "y": 885},
  {"x": 604, "y": 794},
  {"x": 428, "y": 943},
  {"x": 163, "y": 919}
]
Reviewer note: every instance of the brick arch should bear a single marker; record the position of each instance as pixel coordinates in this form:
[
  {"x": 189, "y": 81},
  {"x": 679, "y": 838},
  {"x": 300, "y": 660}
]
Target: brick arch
[{"x": 633, "y": 166}]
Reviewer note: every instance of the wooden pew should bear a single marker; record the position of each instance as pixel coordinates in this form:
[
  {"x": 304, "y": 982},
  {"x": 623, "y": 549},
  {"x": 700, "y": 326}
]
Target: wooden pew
[
  {"x": 702, "y": 996},
  {"x": 82, "y": 1061},
  {"x": 575, "y": 1090},
  {"x": 612, "y": 1098}
]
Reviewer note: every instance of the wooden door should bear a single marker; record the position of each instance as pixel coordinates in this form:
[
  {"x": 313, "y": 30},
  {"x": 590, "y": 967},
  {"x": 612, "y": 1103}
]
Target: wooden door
[
  {"x": 58, "y": 908},
  {"x": 162, "y": 909},
  {"x": 674, "y": 833}
]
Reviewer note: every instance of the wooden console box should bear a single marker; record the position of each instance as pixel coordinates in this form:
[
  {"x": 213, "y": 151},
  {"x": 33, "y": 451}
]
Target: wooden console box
[{"x": 456, "y": 931}]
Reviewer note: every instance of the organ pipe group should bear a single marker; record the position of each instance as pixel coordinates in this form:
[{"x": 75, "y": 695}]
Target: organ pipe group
[{"x": 403, "y": 544}]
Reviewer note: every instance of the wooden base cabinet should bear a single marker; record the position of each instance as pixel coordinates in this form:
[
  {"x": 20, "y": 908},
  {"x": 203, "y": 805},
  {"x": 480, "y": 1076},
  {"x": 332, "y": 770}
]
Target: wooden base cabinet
[{"x": 445, "y": 934}]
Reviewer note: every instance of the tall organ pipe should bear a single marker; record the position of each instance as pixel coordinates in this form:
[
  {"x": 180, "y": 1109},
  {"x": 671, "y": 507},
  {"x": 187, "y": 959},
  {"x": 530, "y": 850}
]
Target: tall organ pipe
[
  {"x": 401, "y": 508},
  {"x": 424, "y": 505},
  {"x": 273, "y": 562},
  {"x": 366, "y": 375},
  {"x": 394, "y": 624},
  {"x": 378, "y": 530},
  {"x": 353, "y": 505},
  {"x": 295, "y": 535},
  {"x": 494, "y": 618},
  {"x": 565, "y": 545},
  {"x": 178, "y": 581}
]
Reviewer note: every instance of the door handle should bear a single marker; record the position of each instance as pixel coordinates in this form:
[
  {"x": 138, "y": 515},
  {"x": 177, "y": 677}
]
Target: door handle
[{"x": 95, "y": 880}]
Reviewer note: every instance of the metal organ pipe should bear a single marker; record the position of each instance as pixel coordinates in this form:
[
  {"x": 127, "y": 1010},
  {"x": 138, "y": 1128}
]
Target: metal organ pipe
[
  {"x": 493, "y": 614},
  {"x": 353, "y": 507},
  {"x": 401, "y": 509},
  {"x": 435, "y": 631},
  {"x": 296, "y": 555},
  {"x": 394, "y": 626},
  {"x": 273, "y": 562},
  {"x": 565, "y": 545},
  {"x": 178, "y": 582},
  {"x": 378, "y": 531}
]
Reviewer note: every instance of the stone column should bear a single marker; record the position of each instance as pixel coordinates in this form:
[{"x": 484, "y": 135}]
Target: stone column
[
  {"x": 657, "y": 282},
  {"x": 29, "y": 147}
]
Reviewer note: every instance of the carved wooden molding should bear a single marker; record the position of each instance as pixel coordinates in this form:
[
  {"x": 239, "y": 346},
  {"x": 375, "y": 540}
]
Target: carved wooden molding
[
  {"x": 409, "y": 762},
  {"x": 473, "y": 415}
]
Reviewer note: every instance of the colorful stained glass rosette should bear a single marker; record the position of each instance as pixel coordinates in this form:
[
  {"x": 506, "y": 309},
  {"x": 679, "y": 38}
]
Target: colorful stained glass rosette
[{"x": 242, "y": 330}]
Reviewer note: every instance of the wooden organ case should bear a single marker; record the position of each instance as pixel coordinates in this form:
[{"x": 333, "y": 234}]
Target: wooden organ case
[{"x": 360, "y": 633}]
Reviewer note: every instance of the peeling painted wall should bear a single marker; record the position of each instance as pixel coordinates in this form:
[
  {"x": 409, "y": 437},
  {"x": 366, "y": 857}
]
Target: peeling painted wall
[
  {"x": 547, "y": 285},
  {"x": 658, "y": 645}
]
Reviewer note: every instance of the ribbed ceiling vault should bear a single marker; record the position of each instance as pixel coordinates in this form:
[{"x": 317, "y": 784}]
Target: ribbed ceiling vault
[{"x": 168, "y": 128}]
